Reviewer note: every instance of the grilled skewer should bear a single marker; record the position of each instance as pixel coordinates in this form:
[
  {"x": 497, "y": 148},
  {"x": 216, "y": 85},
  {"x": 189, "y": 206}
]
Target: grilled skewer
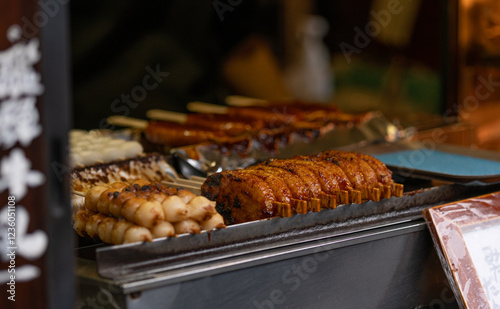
[{"x": 298, "y": 185}]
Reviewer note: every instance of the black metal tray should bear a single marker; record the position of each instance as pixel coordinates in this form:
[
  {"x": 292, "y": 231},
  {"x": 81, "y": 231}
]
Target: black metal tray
[{"x": 175, "y": 255}]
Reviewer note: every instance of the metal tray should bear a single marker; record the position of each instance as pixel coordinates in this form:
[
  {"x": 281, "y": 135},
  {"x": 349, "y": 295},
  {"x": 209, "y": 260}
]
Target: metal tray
[
  {"x": 187, "y": 256},
  {"x": 172, "y": 254}
]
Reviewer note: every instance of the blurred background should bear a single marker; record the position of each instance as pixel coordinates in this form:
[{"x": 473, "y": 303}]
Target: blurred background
[{"x": 425, "y": 64}]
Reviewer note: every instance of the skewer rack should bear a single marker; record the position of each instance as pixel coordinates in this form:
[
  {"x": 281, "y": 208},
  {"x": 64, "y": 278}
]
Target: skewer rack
[
  {"x": 367, "y": 255},
  {"x": 346, "y": 253}
]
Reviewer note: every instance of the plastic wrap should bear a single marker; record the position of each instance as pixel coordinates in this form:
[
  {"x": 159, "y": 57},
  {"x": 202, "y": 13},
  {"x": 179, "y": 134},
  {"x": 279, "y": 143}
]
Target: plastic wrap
[{"x": 467, "y": 237}]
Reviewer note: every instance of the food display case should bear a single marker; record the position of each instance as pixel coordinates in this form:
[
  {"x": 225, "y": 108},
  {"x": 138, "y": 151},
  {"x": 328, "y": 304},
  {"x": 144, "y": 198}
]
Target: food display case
[{"x": 275, "y": 202}]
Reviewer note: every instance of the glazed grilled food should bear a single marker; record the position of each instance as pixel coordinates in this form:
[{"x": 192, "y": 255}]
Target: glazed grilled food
[
  {"x": 251, "y": 122},
  {"x": 121, "y": 213},
  {"x": 179, "y": 134},
  {"x": 152, "y": 167},
  {"x": 284, "y": 113},
  {"x": 298, "y": 185}
]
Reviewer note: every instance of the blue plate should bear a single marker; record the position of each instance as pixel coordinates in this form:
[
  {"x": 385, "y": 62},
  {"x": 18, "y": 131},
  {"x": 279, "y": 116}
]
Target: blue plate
[{"x": 436, "y": 164}]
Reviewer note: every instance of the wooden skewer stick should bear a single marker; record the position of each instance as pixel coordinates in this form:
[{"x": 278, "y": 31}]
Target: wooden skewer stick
[
  {"x": 78, "y": 193},
  {"x": 158, "y": 114},
  {"x": 364, "y": 192},
  {"x": 328, "y": 201},
  {"x": 323, "y": 201},
  {"x": 198, "y": 179},
  {"x": 314, "y": 205},
  {"x": 397, "y": 189},
  {"x": 129, "y": 122},
  {"x": 343, "y": 197},
  {"x": 332, "y": 201},
  {"x": 242, "y": 101},
  {"x": 284, "y": 209},
  {"x": 355, "y": 196},
  {"x": 195, "y": 190},
  {"x": 374, "y": 194},
  {"x": 202, "y": 107},
  {"x": 385, "y": 191},
  {"x": 187, "y": 182},
  {"x": 299, "y": 206}
]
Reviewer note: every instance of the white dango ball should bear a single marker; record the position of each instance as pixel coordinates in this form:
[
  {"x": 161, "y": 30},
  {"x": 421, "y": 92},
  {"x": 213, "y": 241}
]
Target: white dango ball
[
  {"x": 101, "y": 141},
  {"x": 115, "y": 142},
  {"x": 131, "y": 149},
  {"x": 109, "y": 154},
  {"x": 90, "y": 157},
  {"x": 83, "y": 145},
  {"x": 75, "y": 159},
  {"x": 91, "y": 147}
]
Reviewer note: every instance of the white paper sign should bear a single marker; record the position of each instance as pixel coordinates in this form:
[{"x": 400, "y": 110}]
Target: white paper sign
[{"x": 483, "y": 244}]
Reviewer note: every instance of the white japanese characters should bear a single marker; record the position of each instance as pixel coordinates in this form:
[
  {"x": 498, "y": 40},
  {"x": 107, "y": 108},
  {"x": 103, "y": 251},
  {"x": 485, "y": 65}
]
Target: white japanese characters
[
  {"x": 18, "y": 76},
  {"x": 16, "y": 174},
  {"x": 20, "y": 84},
  {"x": 18, "y": 122}
]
